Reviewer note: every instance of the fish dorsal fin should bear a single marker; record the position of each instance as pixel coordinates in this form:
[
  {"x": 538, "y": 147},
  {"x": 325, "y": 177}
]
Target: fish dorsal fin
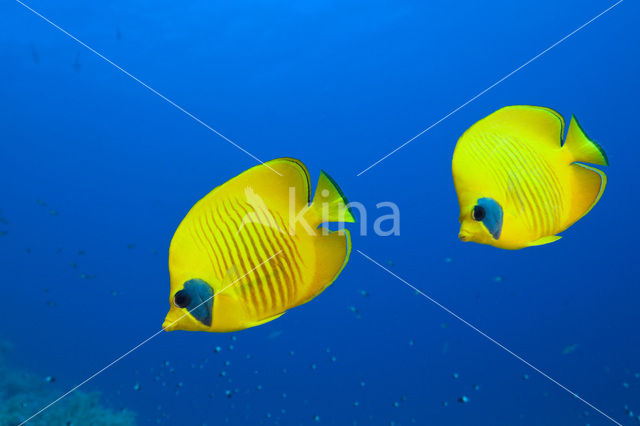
[
  {"x": 526, "y": 122},
  {"x": 272, "y": 182}
]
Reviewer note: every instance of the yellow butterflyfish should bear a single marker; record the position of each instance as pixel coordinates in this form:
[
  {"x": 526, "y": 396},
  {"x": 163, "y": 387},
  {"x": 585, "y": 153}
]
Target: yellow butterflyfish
[
  {"x": 518, "y": 184},
  {"x": 255, "y": 247}
]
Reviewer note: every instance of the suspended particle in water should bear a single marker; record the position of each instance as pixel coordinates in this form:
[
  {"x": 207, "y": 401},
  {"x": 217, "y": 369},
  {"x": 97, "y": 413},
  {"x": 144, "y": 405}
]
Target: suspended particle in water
[
  {"x": 476, "y": 387},
  {"x": 53, "y": 212},
  {"x": 49, "y": 379},
  {"x": 227, "y": 363},
  {"x": 74, "y": 265},
  {"x": 283, "y": 395},
  {"x": 291, "y": 353},
  {"x": 166, "y": 363},
  {"x": 217, "y": 349},
  {"x": 259, "y": 387},
  {"x": 228, "y": 393},
  {"x": 81, "y": 252},
  {"x": 364, "y": 293},
  {"x": 333, "y": 359},
  {"x": 131, "y": 246},
  {"x": 230, "y": 347},
  {"x": 463, "y": 399},
  {"x": 525, "y": 377},
  {"x": 411, "y": 343},
  {"x": 448, "y": 260},
  {"x": 137, "y": 387},
  {"x": 625, "y": 385},
  {"x": 362, "y": 384},
  {"x": 313, "y": 366},
  {"x": 41, "y": 203},
  {"x": 396, "y": 404},
  {"x": 455, "y": 375},
  {"x": 234, "y": 338},
  {"x": 445, "y": 403},
  {"x": 356, "y": 403},
  {"x": 316, "y": 418},
  {"x": 223, "y": 373}
]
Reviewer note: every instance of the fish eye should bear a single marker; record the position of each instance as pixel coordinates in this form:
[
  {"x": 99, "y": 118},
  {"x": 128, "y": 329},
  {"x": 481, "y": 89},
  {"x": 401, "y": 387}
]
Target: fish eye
[
  {"x": 182, "y": 299},
  {"x": 479, "y": 213}
]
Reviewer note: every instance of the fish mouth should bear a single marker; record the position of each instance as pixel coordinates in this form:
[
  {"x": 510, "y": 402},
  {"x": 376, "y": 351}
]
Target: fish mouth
[{"x": 464, "y": 236}]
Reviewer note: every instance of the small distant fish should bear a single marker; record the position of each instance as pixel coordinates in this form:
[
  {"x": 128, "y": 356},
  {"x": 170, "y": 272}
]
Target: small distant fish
[
  {"x": 76, "y": 63},
  {"x": 34, "y": 54},
  {"x": 131, "y": 246},
  {"x": 3, "y": 233},
  {"x": 4, "y": 221},
  {"x": 239, "y": 259},
  {"x": 41, "y": 203},
  {"x": 570, "y": 348},
  {"x": 53, "y": 212},
  {"x": 518, "y": 183}
]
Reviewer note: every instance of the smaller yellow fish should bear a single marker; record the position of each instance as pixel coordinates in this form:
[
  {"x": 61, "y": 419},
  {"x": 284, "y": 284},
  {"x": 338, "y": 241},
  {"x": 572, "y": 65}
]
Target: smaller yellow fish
[
  {"x": 255, "y": 247},
  {"x": 518, "y": 184}
]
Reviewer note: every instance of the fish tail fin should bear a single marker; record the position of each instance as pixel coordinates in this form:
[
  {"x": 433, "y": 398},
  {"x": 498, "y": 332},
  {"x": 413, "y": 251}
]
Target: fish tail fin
[
  {"x": 332, "y": 254},
  {"x": 329, "y": 203},
  {"x": 582, "y": 148},
  {"x": 589, "y": 184}
]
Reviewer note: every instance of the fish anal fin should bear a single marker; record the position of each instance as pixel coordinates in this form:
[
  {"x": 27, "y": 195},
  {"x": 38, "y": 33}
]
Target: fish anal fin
[
  {"x": 581, "y": 148},
  {"x": 544, "y": 240},
  {"x": 587, "y": 188},
  {"x": 332, "y": 254}
]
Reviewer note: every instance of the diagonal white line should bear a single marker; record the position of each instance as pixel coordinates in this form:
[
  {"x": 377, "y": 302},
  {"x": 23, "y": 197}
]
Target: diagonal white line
[
  {"x": 492, "y": 340},
  {"x": 145, "y": 85},
  {"x": 138, "y": 346},
  {"x": 490, "y": 87}
]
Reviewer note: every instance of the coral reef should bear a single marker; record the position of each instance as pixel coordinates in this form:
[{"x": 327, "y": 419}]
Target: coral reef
[{"x": 23, "y": 393}]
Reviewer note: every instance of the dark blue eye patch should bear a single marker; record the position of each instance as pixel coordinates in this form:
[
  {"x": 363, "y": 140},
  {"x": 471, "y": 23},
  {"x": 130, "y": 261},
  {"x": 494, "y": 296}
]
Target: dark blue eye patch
[
  {"x": 197, "y": 298},
  {"x": 492, "y": 219}
]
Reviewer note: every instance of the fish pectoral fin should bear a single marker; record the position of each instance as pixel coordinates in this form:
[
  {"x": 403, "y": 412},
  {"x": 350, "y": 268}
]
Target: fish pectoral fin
[
  {"x": 271, "y": 318},
  {"x": 545, "y": 240},
  {"x": 230, "y": 282}
]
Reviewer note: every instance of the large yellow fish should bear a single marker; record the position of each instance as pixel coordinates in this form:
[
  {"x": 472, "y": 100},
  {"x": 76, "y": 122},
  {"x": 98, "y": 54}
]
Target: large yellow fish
[
  {"x": 254, "y": 247},
  {"x": 518, "y": 184}
]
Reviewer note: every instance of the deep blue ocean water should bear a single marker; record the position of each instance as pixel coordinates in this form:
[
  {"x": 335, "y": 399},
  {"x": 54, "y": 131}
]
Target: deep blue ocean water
[{"x": 337, "y": 85}]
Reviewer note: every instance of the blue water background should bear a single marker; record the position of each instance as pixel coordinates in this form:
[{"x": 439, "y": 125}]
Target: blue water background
[{"x": 337, "y": 85}]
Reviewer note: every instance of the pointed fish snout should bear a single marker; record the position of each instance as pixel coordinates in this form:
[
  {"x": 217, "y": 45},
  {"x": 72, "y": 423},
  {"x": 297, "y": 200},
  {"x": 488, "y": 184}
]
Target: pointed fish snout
[{"x": 464, "y": 236}]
